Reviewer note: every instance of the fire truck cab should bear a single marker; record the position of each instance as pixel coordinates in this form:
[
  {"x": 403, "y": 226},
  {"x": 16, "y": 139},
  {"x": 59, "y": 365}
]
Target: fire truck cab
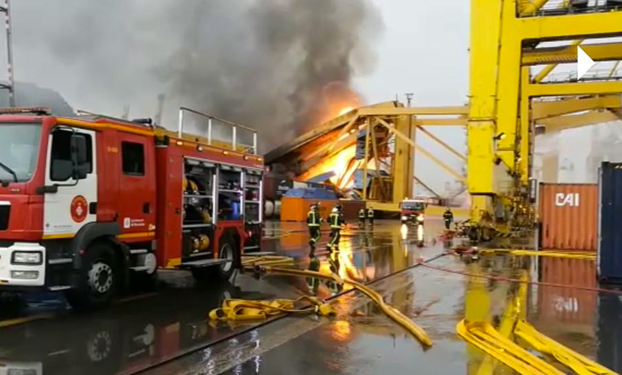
[
  {"x": 412, "y": 211},
  {"x": 91, "y": 204}
]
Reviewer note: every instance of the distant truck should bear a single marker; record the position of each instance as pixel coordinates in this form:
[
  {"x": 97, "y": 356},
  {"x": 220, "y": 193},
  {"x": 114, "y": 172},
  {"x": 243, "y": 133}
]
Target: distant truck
[
  {"x": 90, "y": 204},
  {"x": 412, "y": 211}
]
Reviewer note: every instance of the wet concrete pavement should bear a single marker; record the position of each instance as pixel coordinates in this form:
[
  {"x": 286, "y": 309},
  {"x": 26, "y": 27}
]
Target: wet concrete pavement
[{"x": 141, "y": 333}]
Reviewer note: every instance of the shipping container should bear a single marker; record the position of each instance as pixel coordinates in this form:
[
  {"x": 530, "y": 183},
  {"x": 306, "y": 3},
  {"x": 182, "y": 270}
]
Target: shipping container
[
  {"x": 567, "y": 305},
  {"x": 610, "y": 223},
  {"x": 296, "y": 209},
  {"x": 351, "y": 209},
  {"x": 569, "y": 216}
]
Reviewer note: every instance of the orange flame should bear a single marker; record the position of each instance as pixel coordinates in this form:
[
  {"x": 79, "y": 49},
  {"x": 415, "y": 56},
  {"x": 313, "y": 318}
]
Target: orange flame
[{"x": 346, "y": 110}]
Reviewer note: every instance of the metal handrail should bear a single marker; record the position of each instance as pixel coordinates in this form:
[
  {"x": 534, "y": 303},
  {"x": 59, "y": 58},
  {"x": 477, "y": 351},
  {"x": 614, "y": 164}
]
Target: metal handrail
[{"x": 234, "y": 126}]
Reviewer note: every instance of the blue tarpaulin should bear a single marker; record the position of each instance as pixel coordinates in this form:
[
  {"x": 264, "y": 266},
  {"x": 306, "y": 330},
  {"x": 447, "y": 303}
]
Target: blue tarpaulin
[
  {"x": 358, "y": 177},
  {"x": 311, "y": 193}
]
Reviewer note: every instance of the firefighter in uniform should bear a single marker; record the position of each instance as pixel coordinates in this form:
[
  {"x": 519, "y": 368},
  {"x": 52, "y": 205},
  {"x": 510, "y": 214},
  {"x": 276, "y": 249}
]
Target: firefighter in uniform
[
  {"x": 370, "y": 216},
  {"x": 313, "y": 222},
  {"x": 362, "y": 217},
  {"x": 336, "y": 221},
  {"x": 448, "y": 216}
]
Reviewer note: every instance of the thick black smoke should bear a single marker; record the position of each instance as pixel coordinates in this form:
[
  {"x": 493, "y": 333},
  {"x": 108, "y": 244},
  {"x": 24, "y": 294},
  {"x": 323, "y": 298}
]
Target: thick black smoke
[{"x": 274, "y": 64}]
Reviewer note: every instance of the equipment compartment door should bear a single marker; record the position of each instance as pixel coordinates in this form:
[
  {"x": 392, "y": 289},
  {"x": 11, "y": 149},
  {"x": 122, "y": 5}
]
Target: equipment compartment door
[
  {"x": 73, "y": 205},
  {"x": 136, "y": 184}
]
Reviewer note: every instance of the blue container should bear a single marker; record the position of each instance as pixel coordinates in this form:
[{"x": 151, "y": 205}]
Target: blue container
[{"x": 609, "y": 263}]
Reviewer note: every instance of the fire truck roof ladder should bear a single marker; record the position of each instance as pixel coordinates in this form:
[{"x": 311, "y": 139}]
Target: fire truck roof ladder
[
  {"x": 234, "y": 141},
  {"x": 141, "y": 121}
]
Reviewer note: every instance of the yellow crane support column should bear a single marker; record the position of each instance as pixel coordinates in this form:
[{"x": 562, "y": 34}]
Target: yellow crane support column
[
  {"x": 402, "y": 160},
  {"x": 482, "y": 127}
]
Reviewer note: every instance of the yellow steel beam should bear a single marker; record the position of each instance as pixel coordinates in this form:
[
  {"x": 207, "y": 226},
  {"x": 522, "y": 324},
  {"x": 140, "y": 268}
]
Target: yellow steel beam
[
  {"x": 402, "y": 168},
  {"x": 526, "y": 124},
  {"x": 426, "y": 153},
  {"x": 573, "y": 26},
  {"x": 532, "y": 7},
  {"x": 343, "y": 132},
  {"x": 568, "y": 122},
  {"x": 546, "y": 109},
  {"x": 484, "y": 59},
  {"x": 508, "y": 89},
  {"x": 614, "y": 69},
  {"x": 574, "y": 89},
  {"x": 443, "y": 144},
  {"x": 414, "y": 111},
  {"x": 549, "y": 68},
  {"x": 461, "y": 121},
  {"x": 366, "y": 163},
  {"x": 322, "y": 150},
  {"x": 568, "y": 54},
  {"x": 420, "y": 182}
]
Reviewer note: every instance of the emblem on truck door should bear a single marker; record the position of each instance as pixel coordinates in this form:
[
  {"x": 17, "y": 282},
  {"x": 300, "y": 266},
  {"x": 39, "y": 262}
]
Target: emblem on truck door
[{"x": 79, "y": 209}]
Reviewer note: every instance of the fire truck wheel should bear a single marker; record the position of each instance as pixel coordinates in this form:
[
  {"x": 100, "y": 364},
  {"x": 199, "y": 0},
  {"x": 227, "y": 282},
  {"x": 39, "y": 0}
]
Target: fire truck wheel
[
  {"x": 98, "y": 279},
  {"x": 227, "y": 251},
  {"x": 223, "y": 271}
]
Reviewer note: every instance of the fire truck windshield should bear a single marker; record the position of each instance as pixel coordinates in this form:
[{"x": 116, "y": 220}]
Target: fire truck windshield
[
  {"x": 413, "y": 206},
  {"x": 19, "y": 156}
]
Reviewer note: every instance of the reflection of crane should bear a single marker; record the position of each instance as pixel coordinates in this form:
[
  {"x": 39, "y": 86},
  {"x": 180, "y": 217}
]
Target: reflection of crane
[{"x": 478, "y": 307}]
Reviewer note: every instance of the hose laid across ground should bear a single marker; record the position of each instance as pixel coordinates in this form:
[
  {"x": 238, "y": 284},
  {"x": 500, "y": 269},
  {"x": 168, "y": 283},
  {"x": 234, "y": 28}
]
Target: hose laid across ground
[
  {"x": 541, "y": 253},
  {"x": 244, "y": 310},
  {"x": 486, "y": 338},
  {"x": 569, "y": 358},
  {"x": 518, "y": 281},
  {"x": 390, "y": 311}
]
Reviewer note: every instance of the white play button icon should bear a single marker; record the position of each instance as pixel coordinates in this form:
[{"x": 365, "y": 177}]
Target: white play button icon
[{"x": 584, "y": 63}]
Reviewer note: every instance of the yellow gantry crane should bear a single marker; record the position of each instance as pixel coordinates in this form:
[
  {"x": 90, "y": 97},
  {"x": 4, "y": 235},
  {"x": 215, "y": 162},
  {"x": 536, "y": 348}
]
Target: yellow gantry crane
[{"x": 506, "y": 98}]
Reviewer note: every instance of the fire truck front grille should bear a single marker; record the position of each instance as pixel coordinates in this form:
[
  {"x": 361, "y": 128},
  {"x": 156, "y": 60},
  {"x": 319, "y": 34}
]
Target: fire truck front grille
[{"x": 5, "y": 212}]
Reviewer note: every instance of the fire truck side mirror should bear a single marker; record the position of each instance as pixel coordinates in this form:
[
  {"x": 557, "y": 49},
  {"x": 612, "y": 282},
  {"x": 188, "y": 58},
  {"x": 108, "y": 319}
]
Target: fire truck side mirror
[{"x": 78, "y": 148}]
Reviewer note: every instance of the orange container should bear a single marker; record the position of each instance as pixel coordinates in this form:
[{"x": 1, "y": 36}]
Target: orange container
[
  {"x": 569, "y": 216},
  {"x": 296, "y": 209},
  {"x": 567, "y": 305},
  {"x": 351, "y": 209}
]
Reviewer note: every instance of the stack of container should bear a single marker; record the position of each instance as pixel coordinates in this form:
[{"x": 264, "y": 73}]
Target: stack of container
[{"x": 586, "y": 217}]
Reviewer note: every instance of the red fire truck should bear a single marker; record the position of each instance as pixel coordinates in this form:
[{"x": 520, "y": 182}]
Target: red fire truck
[{"x": 89, "y": 204}]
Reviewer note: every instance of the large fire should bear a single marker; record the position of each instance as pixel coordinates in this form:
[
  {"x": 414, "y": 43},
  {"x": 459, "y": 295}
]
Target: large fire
[
  {"x": 346, "y": 110},
  {"x": 342, "y": 164},
  {"x": 340, "y": 100}
]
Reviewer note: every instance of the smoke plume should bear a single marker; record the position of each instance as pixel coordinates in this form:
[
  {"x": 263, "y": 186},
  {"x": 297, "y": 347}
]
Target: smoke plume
[{"x": 274, "y": 65}]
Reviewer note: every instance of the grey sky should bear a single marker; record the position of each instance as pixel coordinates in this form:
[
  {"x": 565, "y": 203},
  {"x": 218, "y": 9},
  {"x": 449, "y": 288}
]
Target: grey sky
[{"x": 424, "y": 51}]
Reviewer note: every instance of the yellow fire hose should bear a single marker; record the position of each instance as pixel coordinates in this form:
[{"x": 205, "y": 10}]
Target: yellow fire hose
[
  {"x": 239, "y": 310},
  {"x": 553, "y": 254},
  {"x": 250, "y": 262},
  {"x": 391, "y": 312},
  {"x": 569, "y": 358},
  {"x": 486, "y": 338}
]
